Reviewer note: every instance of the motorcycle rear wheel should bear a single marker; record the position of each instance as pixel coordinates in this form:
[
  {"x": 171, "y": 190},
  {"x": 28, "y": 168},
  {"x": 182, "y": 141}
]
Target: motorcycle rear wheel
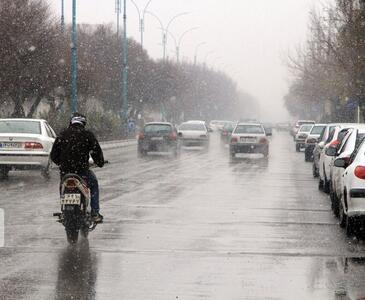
[{"x": 72, "y": 236}]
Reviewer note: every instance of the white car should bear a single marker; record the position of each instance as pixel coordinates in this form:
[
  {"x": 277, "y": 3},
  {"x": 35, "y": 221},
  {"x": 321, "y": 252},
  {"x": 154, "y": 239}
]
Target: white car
[
  {"x": 334, "y": 139},
  {"x": 348, "y": 145},
  {"x": 302, "y": 135},
  {"x": 312, "y": 140},
  {"x": 249, "y": 138},
  {"x": 25, "y": 144},
  {"x": 193, "y": 133},
  {"x": 352, "y": 201}
]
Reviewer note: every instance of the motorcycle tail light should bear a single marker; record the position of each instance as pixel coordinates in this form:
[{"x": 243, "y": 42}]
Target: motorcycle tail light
[
  {"x": 71, "y": 183},
  {"x": 360, "y": 172}
]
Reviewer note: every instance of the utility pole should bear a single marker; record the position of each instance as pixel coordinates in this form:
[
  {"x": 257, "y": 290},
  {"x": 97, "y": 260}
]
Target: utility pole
[
  {"x": 141, "y": 17},
  {"x": 179, "y": 43},
  {"x": 74, "y": 60},
  {"x": 118, "y": 10},
  {"x": 125, "y": 64},
  {"x": 62, "y": 15},
  {"x": 196, "y": 51}
]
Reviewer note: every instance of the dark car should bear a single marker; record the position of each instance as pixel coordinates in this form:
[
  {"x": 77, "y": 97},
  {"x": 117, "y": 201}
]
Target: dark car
[
  {"x": 158, "y": 137},
  {"x": 227, "y": 131}
]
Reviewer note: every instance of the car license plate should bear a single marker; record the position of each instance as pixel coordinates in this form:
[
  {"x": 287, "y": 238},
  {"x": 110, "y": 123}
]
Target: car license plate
[
  {"x": 71, "y": 199},
  {"x": 10, "y": 145},
  {"x": 248, "y": 140},
  {"x": 160, "y": 138}
]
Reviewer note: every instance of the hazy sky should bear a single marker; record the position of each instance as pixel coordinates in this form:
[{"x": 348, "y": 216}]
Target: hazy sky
[{"x": 246, "y": 38}]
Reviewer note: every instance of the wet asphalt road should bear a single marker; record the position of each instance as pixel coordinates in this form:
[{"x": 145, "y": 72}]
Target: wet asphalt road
[{"x": 197, "y": 227}]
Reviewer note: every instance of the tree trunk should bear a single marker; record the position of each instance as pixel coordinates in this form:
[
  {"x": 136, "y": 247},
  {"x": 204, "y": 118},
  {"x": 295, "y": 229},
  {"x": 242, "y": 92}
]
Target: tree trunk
[
  {"x": 18, "y": 109},
  {"x": 34, "y": 106}
]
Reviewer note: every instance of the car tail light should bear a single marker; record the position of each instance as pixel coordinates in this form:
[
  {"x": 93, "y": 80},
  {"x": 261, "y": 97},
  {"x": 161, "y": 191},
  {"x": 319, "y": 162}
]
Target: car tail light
[
  {"x": 33, "y": 146},
  {"x": 360, "y": 172},
  {"x": 311, "y": 141},
  {"x": 141, "y": 136},
  {"x": 234, "y": 140},
  {"x": 173, "y": 136},
  {"x": 334, "y": 143},
  {"x": 263, "y": 141}
]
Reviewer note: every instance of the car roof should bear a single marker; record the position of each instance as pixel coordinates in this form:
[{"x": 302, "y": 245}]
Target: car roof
[
  {"x": 250, "y": 124},
  {"x": 158, "y": 123},
  {"x": 195, "y": 121},
  {"x": 320, "y": 125},
  {"x": 23, "y": 119}
]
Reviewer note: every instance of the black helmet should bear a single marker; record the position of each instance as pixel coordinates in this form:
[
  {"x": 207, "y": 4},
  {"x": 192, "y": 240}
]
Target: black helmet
[{"x": 78, "y": 118}]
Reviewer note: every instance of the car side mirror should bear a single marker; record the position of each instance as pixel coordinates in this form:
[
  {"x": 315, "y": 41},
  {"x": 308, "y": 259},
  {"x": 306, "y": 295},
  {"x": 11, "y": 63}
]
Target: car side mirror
[
  {"x": 331, "y": 151},
  {"x": 340, "y": 163}
]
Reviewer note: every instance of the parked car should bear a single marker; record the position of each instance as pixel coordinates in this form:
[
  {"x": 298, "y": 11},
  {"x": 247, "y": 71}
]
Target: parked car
[
  {"x": 302, "y": 135},
  {"x": 352, "y": 201},
  {"x": 312, "y": 140},
  {"x": 297, "y": 125},
  {"x": 325, "y": 161},
  {"x": 323, "y": 140},
  {"x": 25, "y": 144},
  {"x": 193, "y": 133},
  {"x": 249, "y": 138},
  {"x": 158, "y": 137},
  {"x": 227, "y": 131},
  {"x": 349, "y": 144}
]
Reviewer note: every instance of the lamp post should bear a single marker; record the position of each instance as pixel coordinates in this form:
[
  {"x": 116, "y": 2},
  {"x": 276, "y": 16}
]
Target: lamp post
[
  {"x": 196, "y": 51},
  {"x": 125, "y": 64},
  {"x": 118, "y": 10},
  {"x": 180, "y": 40},
  {"x": 74, "y": 60},
  {"x": 63, "y": 15},
  {"x": 141, "y": 17}
]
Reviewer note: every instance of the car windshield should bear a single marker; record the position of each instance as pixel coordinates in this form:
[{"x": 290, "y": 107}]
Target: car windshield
[
  {"x": 306, "y": 128},
  {"x": 27, "y": 127},
  {"x": 228, "y": 126},
  {"x": 157, "y": 128},
  {"x": 249, "y": 129},
  {"x": 192, "y": 127},
  {"x": 317, "y": 129}
]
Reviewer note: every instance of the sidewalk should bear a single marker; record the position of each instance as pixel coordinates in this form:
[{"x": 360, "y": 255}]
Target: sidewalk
[{"x": 118, "y": 144}]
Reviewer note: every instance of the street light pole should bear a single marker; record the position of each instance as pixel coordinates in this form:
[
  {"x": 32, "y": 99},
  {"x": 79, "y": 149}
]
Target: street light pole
[
  {"x": 74, "y": 60},
  {"x": 141, "y": 16},
  {"x": 167, "y": 29},
  {"x": 196, "y": 51},
  {"x": 118, "y": 10},
  {"x": 179, "y": 43},
  {"x": 125, "y": 63},
  {"x": 63, "y": 15}
]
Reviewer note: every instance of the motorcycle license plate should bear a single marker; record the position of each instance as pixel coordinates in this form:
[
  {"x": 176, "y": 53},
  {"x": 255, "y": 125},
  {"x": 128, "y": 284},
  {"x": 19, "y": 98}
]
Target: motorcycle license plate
[{"x": 71, "y": 199}]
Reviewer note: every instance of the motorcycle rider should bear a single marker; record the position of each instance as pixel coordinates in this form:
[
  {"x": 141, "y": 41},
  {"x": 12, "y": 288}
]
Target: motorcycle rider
[{"x": 71, "y": 151}]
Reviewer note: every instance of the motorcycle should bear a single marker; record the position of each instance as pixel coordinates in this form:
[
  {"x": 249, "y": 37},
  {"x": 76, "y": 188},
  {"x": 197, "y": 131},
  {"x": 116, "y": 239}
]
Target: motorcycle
[{"x": 75, "y": 213}]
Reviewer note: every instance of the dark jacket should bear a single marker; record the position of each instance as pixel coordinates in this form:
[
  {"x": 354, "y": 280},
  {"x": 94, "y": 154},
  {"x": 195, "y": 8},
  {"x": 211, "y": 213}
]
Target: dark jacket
[{"x": 72, "y": 149}]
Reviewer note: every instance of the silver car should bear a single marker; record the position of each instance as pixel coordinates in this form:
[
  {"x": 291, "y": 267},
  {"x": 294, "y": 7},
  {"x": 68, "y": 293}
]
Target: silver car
[
  {"x": 25, "y": 144},
  {"x": 249, "y": 138}
]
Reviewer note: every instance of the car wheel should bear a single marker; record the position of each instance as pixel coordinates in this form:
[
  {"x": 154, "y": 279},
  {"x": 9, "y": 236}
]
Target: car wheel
[
  {"x": 4, "y": 172},
  {"x": 315, "y": 171},
  {"x": 46, "y": 171},
  {"x": 307, "y": 156},
  {"x": 320, "y": 184},
  {"x": 326, "y": 183},
  {"x": 297, "y": 147},
  {"x": 351, "y": 226},
  {"x": 266, "y": 152},
  {"x": 341, "y": 215},
  {"x": 334, "y": 201}
]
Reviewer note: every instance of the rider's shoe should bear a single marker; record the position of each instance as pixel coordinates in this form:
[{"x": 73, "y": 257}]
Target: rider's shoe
[{"x": 97, "y": 217}]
